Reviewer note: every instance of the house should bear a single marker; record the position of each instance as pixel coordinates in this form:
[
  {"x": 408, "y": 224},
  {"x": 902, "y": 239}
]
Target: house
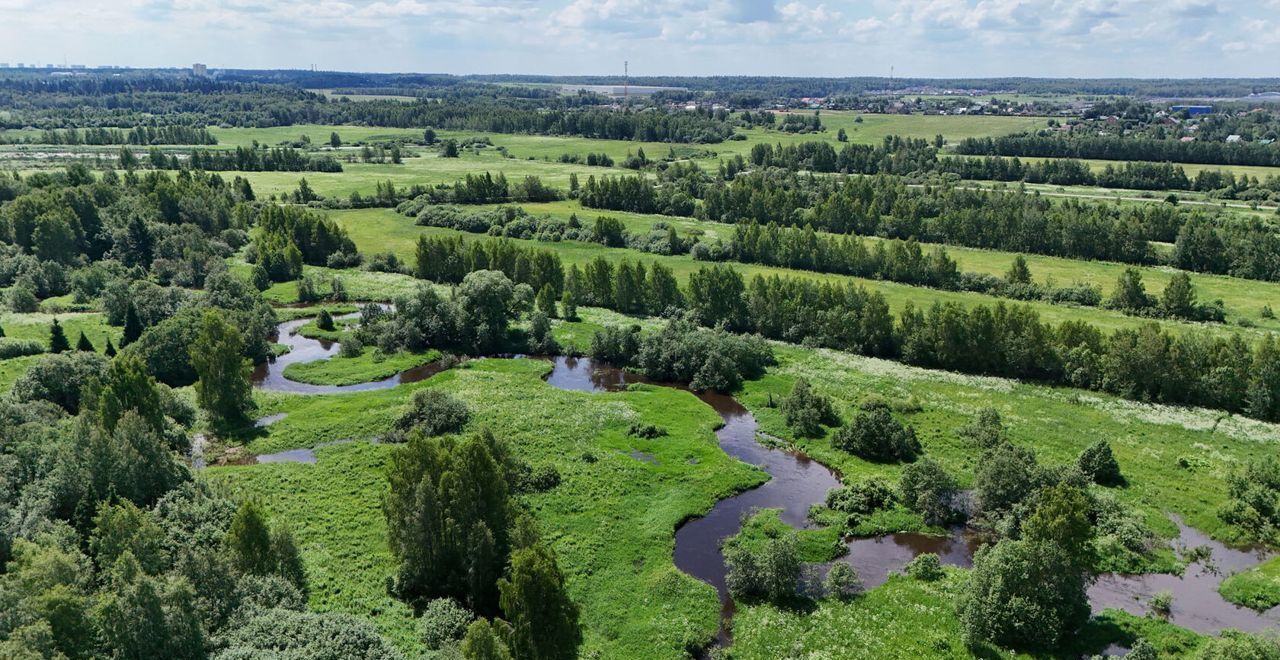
[{"x": 1233, "y": 138}]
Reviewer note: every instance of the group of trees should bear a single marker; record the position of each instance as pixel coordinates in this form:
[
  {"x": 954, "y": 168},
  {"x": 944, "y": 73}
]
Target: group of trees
[
  {"x": 683, "y": 353},
  {"x": 1145, "y": 363},
  {"x": 635, "y": 194},
  {"x": 245, "y": 159},
  {"x": 1120, "y": 148},
  {"x": 290, "y": 236},
  {"x": 137, "y": 136},
  {"x": 111, "y": 548},
  {"x": 462, "y": 539},
  {"x": 515, "y": 222}
]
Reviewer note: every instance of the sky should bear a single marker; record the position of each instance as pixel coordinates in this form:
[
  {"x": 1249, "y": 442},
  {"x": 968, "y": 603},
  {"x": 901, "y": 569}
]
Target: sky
[{"x": 910, "y": 38}]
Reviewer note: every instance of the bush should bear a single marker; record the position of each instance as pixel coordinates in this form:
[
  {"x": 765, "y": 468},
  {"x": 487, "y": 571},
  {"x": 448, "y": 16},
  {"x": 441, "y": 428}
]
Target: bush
[
  {"x": 22, "y": 300},
  {"x": 927, "y": 489},
  {"x": 443, "y": 621},
  {"x": 771, "y": 572},
  {"x": 842, "y": 582},
  {"x": 12, "y": 348},
  {"x": 433, "y": 413},
  {"x": 806, "y": 411},
  {"x": 862, "y": 498},
  {"x": 926, "y": 567},
  {"x": 324, "y": 320},
  {"x": 874, "y": 435},
  {"x": 1098, "y": 463},
  {"x": 58, "y": 379},
  {"x": 351, "y": 347},
  {"x": 1162, "y": 603}
]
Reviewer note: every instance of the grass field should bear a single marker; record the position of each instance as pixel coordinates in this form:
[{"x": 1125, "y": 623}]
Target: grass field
[{"x": 369, "y": 366}]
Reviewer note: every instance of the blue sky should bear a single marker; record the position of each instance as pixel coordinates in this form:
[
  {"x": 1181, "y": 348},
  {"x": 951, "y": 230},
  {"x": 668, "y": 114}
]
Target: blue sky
[{"x": 945, "y": 38}]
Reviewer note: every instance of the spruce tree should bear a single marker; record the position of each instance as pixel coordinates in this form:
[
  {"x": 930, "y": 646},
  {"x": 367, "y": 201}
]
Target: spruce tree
[
  {"x": 83, "y": 344},
  {"x": 58, "y": 339},
  {"x": 111, "y": 349},
  {"x": 132, "y": 326}
]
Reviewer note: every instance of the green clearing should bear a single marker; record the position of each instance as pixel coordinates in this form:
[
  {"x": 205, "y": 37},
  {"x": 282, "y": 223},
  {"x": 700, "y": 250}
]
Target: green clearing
[
  {"x": 906, "y": 619},
  {"x": 611, "y": 520},
  {"x": 371, "y": 365},
  {"x": 35, "y": 326},
  {"x": 1258, "y": 587},
  {"x": 12, "y": 368},
  {"x": 375, "y": 230}
]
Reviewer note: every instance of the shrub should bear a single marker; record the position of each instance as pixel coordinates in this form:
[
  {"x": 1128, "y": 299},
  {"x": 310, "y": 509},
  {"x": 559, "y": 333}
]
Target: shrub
[
  {"x": 443, "y": 621},
  {"x": 926, "y": 567},
  {"x": 862, "y": 498},
  {"x": 12, "y": 348},
  {"x": 926, "y": 488},
  {"x": 771, "y": 572},
  {"x": 842, "y": 582},
  {"x": 22, "y": 300},
  {"x": 433, "y": 413},
  {"x": 1098, "y": 463},
  {"x": 1162, "y": 603},
  {"x": 874, "y": 435},
  {"x": 806, "y": 411},
  {"x": 324, "y": 320},
  {"x": 351, "y": 347}
]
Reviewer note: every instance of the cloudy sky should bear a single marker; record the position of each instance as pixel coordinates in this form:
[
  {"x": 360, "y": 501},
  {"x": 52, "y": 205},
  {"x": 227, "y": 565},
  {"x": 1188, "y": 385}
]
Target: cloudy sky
[{"x": 1167, "y": 38}]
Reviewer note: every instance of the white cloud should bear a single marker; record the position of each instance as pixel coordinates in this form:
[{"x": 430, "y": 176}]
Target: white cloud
[{"x": 798, "y": 37}]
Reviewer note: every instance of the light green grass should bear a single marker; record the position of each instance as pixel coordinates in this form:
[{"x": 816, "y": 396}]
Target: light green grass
[
  {"x": 611, "y": 520},
  {"x": 12, "y": 368},
  {"x": 1258, "y": 587},
  {"x": 35, "y": 326},
  {"x": 371, "y": 365}
]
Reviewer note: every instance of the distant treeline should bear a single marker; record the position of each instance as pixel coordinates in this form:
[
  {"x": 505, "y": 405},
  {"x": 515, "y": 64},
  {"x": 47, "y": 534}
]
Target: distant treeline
[
  {"x": 138, "y": 135},
  {"x": 93, "y": 103},
  {"x": 904, "y": 156},
  {"x": 1145, "y": 363},
  {"x": 242, "y": 159},
  {"x": 1117, "y": 148}
]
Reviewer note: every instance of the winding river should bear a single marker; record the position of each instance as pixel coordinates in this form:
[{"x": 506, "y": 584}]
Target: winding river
[{"x": 796, "y": 482}]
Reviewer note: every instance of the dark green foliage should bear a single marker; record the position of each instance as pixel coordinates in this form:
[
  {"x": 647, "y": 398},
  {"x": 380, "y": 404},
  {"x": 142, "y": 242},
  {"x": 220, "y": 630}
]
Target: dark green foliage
[
  {"x": 139, "y": 616},
  {"x": 925, "y": 567},
  {"x": 58, "y": 339},
  {"x": 615, "y": 345},
  {"x": 123, "y": 527},
  {"x": 126, "y": 387},
  {"x": 483, "y": 642},
  {"x": 83, "y": 344},
  {"x": 986, "y": 430},
  {"x": 541, "y": 341},
  {"x": 1021, "y": 595},
  {"x": 324, "y": 320},
  {"x": 1006, "y": 475},
  {"x": 546, "y": 301},
  {"x": 12, "y": 348},
  {"x": 249, "y": 541},
  {"x": 875, "y": 435},
  {"x": 110, "y": 350},
  {"x": 862, "y": 498},
  {"x": 842, "y": 582},
  {"x": 292, "y": 634},
  {"x": 1129, "y": 293},
  {"x": 443, "y": 621},
  {"x": 487, "y": 302},
  {"x": 448, "y": 517},
  {"x": 223, "y": 389},
  {"x": 433, "y": 412},
  {"x": 771, "y": 572},
  {"x": 1098, "y": 463},
  {"x": 544, "y": 621},
  {"x": 926, "y": 488},
  {"x": 1254, "y": 506},
  {"x": 707, "y": 360},
  {"x": 806, "y": 411},
  {"x": 132, "y": 326},
  {"x": 58, "y": 379}
]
